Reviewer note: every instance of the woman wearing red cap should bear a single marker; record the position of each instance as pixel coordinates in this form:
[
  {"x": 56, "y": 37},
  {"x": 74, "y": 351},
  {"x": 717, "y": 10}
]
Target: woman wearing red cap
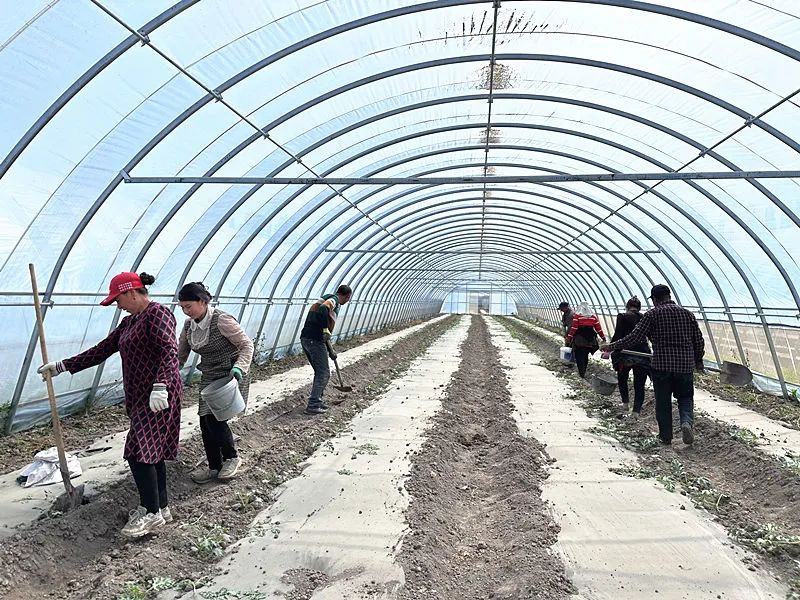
[{"x": 147, "y": 344}]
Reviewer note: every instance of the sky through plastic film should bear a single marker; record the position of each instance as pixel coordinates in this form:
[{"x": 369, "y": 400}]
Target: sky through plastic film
[{"x": 391, "y": 88}]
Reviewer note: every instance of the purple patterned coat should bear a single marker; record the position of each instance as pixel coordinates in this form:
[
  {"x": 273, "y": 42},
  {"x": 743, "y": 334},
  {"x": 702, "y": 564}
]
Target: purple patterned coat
[{"x": 148, "y": 347}]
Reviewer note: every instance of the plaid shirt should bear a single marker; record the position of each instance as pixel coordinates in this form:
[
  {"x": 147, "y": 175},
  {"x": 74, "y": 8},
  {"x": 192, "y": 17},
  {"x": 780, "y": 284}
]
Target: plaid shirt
[{"x": 677, "y": 341}]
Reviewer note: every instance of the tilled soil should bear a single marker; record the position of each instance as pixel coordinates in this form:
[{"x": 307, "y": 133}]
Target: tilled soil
[
  {"x": 81, "y": 429},
  {"x": 754, "y": 495},
  {"x": 81, "y": 555},
  {"x": 774, "y": 407},
  {"x": 479, "y": 527}
]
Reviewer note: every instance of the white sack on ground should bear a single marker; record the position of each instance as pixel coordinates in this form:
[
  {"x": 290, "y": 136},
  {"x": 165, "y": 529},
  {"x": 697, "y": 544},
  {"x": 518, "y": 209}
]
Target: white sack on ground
[{"x": 44, "y": 468}]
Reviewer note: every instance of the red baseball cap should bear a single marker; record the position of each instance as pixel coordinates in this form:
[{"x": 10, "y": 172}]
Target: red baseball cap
[{"x": 120, "y": 284}]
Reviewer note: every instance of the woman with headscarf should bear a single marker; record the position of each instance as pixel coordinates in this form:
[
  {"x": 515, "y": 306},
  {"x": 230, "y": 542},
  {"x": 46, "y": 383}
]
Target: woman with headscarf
[
  {"x": 225, "y": 351},
  {"x": 146, "y": 343},
  {"x": 582, "y": 336},
  {"x": 625, "y": 363}
]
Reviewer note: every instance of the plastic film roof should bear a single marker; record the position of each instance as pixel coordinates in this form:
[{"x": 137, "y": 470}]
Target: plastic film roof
[{"x": 95, "y": 92}]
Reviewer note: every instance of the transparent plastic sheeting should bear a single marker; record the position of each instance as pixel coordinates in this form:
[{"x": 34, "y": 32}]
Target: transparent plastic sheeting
[{"x": 391, "y": 88}]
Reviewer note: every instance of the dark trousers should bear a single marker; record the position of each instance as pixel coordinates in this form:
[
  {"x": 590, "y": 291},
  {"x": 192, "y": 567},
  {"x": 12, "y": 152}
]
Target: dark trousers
[
  {"x": 666, "y": 385},
  {"x": 581, "y": 359},
  {"x": 639, "y": 379},
  {"x": 217, "y": 441},
  {"x": 317, "y": 355},
  {"x": 151, "y": 481}
]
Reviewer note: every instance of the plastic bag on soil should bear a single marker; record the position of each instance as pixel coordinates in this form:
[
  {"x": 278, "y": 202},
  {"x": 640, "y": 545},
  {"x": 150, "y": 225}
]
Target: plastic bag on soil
[{"x": 44, "y": 469}]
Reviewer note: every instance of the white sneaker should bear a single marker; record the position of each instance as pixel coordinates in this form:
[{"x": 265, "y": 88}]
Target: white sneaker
[
  {"x": 136, "y": 513},
  {"x": 166, "y": 514},
  {"x": 229, "y": 468},
  {"x": 140, "y": 525}
]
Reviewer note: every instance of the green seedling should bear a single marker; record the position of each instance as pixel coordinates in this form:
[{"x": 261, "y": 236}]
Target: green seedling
[
  {"x": 747, "y": 437},
  {"x": 212, "y": 544},
  {"x": 132, "y": 591},
  {"x": 770, "y": 539}
]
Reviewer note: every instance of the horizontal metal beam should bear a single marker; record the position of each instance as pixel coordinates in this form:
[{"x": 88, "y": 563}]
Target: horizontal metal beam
[
  {"x": 445, "y": 279},
  {"x": 663, "y": 176},
  {"x": 484, "y": 252},
  {"x": 485, "y": 270}
]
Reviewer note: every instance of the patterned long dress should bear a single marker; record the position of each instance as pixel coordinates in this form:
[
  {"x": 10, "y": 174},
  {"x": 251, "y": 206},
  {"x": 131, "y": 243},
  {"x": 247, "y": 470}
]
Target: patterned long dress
[{"x": 148, "y": 347}]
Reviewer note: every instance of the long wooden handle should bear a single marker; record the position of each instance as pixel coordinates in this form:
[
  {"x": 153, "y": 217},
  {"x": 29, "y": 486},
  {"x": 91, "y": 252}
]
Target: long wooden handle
[{"x": 51, "y": 394}]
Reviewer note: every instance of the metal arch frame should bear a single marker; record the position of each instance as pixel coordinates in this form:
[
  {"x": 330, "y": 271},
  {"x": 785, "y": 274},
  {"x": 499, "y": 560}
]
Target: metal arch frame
[
  {"x": 261, "y": 64},
  {"x": 442, "y": 62},
  {"x": 526, "y": 204},
  {"x": 431, "y": 232},
  {"x": 409, "y": 216},
  {"x": 457, "y": 149},
  {"x": 242, "y": 145},
  {"x": 423, "y": 231},
  {"x": 612, "y": 226},
  {"x": 638, "y": 119},
  {"x": 460, "y": 230},
  {"x": 319, "y": 270},
  {"x": 409, "y": 68},
  {"x": 109, "y": 58},
  {"x": 416, "y": 220},
  {"x": 701, "y": 229},
  {"x": 287, "y": 262},
  {"x": 465, "y": 236},
  {"x": 363, "y": 290},
  {"x": 767, "y": 333},
  {"x": 598, "y": 139},
  {"x": 666, "y": 228}
]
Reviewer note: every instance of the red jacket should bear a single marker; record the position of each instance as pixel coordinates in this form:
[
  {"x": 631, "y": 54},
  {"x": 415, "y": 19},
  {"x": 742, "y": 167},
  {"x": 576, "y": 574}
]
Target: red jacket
[{"x": 585, "y": 321}]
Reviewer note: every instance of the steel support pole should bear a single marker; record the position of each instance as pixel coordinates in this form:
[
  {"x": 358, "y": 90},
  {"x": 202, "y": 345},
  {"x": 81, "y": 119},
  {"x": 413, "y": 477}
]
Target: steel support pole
[{"x": 484, "y": 180}]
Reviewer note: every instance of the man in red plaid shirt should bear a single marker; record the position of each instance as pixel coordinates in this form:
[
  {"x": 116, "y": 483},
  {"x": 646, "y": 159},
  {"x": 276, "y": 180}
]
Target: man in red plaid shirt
[{"x": 678, "y": 349}]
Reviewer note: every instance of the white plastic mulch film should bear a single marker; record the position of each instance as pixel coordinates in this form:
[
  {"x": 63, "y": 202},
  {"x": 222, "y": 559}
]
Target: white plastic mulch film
[{"x": 392, "y": 88}]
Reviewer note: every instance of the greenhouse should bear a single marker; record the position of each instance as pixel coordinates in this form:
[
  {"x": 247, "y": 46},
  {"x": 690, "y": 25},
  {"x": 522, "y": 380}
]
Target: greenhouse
[{"x": 461, "y": 188}]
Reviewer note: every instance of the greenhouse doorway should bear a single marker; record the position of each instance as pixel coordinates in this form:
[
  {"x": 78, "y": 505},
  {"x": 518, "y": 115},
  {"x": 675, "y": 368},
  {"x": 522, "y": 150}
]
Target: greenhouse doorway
[{"x": 478, "y": 300}]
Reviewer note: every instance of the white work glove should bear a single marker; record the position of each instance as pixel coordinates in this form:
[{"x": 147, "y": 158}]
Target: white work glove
[
  {"x": 54, "y": 368},
  {"x": 159, "y": 397}
]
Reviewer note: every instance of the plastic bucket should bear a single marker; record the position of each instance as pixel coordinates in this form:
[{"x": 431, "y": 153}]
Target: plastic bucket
[
  {"x": 223, "y": 398},
  {"x": 604, "y": 384},
  {"x": 565, "y": 354}
]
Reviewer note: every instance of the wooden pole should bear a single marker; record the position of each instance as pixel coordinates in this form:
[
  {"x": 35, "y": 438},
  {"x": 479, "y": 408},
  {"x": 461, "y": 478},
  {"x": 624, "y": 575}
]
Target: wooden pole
[{"x": 62, "y": 455}]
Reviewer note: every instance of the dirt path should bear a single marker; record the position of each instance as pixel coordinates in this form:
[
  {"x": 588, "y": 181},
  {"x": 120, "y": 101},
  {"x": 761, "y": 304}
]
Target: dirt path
[
  {"x": 774, "y": 421},
  {"x": 479, "y": 527},
  {"x": 80, "y": 554},
  {"x": 622, "y": 538},
  {"x": 331, "y": 531},
  {"x": 754, "y": 495},
  {"x": 82, "y": 429}
]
